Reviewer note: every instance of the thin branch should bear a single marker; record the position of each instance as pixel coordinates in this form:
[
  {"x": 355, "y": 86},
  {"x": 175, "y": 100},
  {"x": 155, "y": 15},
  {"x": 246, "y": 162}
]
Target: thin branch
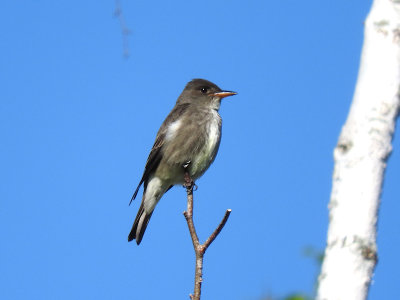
[
  {"x": 125, "y": 31},
  {"x": 218, "y": 229},
  {"x": 199, "y": 249}
]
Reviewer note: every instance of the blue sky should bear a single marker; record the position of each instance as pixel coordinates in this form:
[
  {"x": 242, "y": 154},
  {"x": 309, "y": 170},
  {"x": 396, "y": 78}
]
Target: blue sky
[{"x": 78, "y": 120}]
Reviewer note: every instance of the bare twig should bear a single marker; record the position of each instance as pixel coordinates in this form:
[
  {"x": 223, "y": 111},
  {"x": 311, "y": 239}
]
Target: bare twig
[
  {"x": 199, "y": 249},
  {"x": 124, "y": 29}
]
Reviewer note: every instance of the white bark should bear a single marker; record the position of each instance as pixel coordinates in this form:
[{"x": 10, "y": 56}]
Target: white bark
[{"x": 360, "y": 160}]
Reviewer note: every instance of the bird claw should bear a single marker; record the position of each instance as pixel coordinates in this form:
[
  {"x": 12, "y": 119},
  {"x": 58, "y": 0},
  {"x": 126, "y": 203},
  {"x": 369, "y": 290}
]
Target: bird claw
[{"x": 188, "y": 181}]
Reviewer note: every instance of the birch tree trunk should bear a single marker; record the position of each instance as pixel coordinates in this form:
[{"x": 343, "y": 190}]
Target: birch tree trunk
[{"x": 360, "y": 160}]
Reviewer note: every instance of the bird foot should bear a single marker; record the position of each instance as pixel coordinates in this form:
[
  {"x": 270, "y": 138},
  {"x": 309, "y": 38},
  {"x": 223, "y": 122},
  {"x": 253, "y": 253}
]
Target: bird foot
[{"x": 188, "y": 181}]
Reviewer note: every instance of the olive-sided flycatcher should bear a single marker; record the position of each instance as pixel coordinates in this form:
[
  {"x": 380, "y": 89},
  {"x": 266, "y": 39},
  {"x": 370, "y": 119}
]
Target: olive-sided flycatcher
[{"x": 187, "y": 141}]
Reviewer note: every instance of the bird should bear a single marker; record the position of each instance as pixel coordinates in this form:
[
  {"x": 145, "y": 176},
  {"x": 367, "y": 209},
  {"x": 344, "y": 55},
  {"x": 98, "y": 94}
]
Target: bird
[{"x": 187, "y": 142}]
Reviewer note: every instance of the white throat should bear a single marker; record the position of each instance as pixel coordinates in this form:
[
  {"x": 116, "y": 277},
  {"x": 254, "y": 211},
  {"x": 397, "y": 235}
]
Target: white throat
[{"x": 216, "y": 103}]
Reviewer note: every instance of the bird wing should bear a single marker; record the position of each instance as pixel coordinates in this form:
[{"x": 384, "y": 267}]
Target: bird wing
[{"x": 156, "y": 154}]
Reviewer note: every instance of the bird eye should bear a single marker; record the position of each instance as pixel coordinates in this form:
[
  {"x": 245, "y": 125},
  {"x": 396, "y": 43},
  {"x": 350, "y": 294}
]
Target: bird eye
[{"x": 204, "y": 90}]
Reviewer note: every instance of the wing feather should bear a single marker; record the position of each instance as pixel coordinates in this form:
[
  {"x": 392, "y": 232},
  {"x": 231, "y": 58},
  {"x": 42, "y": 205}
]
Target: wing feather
[{"x": 156, "y": 154}]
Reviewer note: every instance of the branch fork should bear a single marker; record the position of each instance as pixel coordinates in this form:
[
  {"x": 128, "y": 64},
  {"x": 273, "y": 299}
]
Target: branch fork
[{"x": 199, "y": 249}]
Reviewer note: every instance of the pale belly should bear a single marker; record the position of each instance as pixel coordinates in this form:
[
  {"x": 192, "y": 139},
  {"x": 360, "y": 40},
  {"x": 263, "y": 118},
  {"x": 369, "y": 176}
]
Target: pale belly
[
  {"x": 172, "y": 171},
  {"x": 207, "y": 154}
]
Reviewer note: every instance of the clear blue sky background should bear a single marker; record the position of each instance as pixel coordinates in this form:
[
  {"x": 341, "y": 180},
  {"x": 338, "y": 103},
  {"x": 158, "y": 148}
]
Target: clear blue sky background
[{"x": 78, "y": 120}]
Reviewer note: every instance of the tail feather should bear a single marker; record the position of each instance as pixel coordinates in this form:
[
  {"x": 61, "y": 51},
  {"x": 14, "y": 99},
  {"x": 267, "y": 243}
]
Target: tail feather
[
  {"x": 136, "y": 191},
  {"x": 139, "y": 225}
]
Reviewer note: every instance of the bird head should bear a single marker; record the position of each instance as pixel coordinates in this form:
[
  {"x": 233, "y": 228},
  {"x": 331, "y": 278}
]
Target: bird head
[{"x": 203, "y": 93}]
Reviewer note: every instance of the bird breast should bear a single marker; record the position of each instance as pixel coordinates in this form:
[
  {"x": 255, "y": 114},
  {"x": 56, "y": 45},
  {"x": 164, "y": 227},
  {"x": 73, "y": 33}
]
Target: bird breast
[
  {"x": 193, "y": 138},
  {"x": 207, "y": 153}
]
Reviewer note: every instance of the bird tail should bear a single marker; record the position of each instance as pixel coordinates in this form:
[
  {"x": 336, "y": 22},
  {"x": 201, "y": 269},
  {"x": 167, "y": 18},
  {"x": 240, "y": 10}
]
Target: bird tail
[{"x": 139, "y": 225}]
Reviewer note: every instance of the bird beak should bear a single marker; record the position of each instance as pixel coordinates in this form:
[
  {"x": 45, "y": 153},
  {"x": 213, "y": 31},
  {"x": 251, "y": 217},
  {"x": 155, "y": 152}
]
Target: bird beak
[{"x": 224, "y": 94}]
